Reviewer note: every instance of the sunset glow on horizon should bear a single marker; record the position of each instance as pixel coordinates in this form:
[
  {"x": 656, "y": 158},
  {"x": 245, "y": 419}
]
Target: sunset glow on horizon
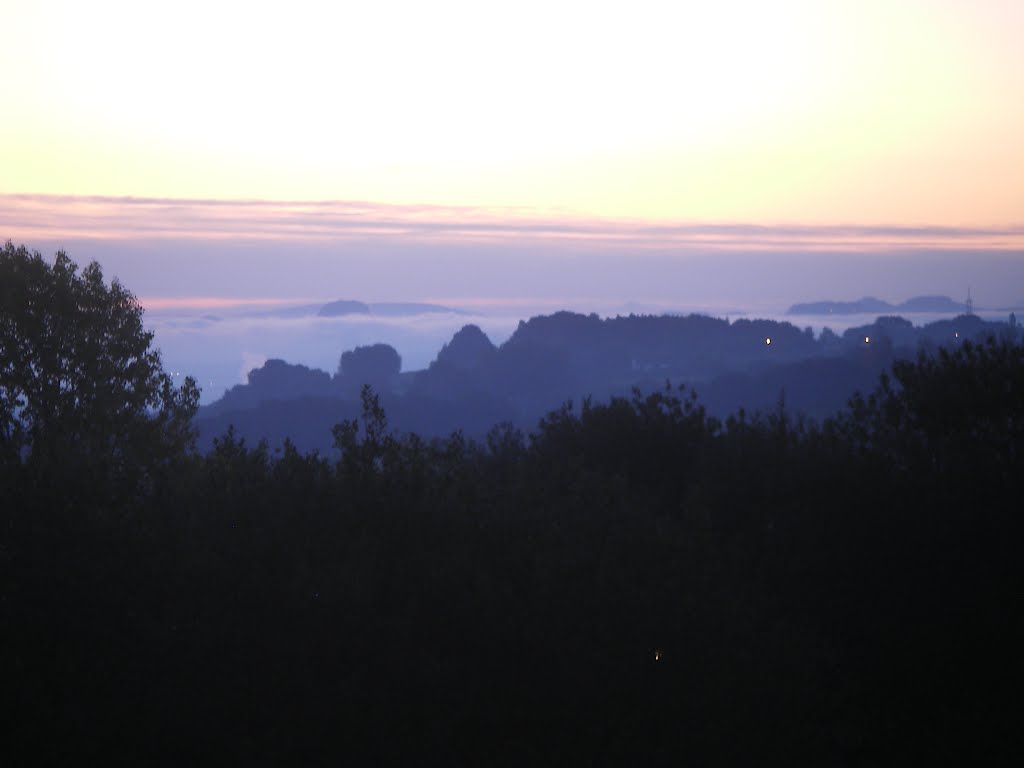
[{"x": 796, "y": 112}]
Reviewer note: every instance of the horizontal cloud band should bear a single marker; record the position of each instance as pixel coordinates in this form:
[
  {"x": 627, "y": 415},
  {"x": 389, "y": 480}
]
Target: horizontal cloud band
[{"x": 29, "y": 217}]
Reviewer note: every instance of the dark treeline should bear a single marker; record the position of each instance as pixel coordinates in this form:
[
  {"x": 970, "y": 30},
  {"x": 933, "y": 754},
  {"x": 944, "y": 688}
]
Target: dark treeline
[
  {"x": 473, "y": 384},
  {"x": 632, "y": 581}
]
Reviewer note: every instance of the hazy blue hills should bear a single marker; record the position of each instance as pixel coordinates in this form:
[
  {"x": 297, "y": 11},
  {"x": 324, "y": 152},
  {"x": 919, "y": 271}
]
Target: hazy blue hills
[
  {"x": 382, "y": 309},
  {"x": 474, "y": 384},
  {"x": 344, "y": 307},
  {"x": 469, "y": 348},
  {"x": 870, "y": 305},
  {"x": 350, "y": 307},
  {"x": 407, "y": 308}
]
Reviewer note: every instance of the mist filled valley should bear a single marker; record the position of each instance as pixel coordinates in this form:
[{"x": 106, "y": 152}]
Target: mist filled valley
[
  {"x": 472, "y": 383},
  {"x": 636, "y": 539}
]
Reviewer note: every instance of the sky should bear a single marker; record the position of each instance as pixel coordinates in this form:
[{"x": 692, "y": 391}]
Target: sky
[
  {"x": 521, "y": 154},
  {"x": 795, "y": 111}
]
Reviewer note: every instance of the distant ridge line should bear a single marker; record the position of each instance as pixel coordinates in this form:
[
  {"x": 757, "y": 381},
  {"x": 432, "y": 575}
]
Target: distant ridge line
[{"x": 872, "y": 305}]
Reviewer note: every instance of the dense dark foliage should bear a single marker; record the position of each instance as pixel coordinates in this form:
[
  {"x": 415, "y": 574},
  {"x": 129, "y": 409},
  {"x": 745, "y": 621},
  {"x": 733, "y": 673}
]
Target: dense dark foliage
[
  {"x": 82, "y": 393},
  {"x": 632, "y": 582}
]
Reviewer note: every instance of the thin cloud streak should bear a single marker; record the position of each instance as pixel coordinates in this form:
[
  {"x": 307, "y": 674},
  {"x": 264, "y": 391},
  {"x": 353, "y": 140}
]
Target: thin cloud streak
[{"x": 28, "y": 217}]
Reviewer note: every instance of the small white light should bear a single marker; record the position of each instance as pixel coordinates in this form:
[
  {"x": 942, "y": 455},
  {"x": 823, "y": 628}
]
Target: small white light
[
  {"x": 867, "y": 339},
  {"x": 768, "y": 341},
  {"x": 657, "y": 655}
]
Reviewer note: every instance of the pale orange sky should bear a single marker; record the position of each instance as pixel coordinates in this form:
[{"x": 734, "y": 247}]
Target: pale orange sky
[{"x": 794, "y": 111}]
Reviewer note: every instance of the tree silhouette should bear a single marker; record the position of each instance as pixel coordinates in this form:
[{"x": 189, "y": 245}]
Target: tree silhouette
[
  {"x": 955, "y": 415},
  {"x": 79, "y": 378}
]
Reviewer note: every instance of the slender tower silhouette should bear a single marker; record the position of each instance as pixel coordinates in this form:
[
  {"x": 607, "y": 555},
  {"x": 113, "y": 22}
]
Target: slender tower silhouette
[{"x": 970, "y": 302}]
